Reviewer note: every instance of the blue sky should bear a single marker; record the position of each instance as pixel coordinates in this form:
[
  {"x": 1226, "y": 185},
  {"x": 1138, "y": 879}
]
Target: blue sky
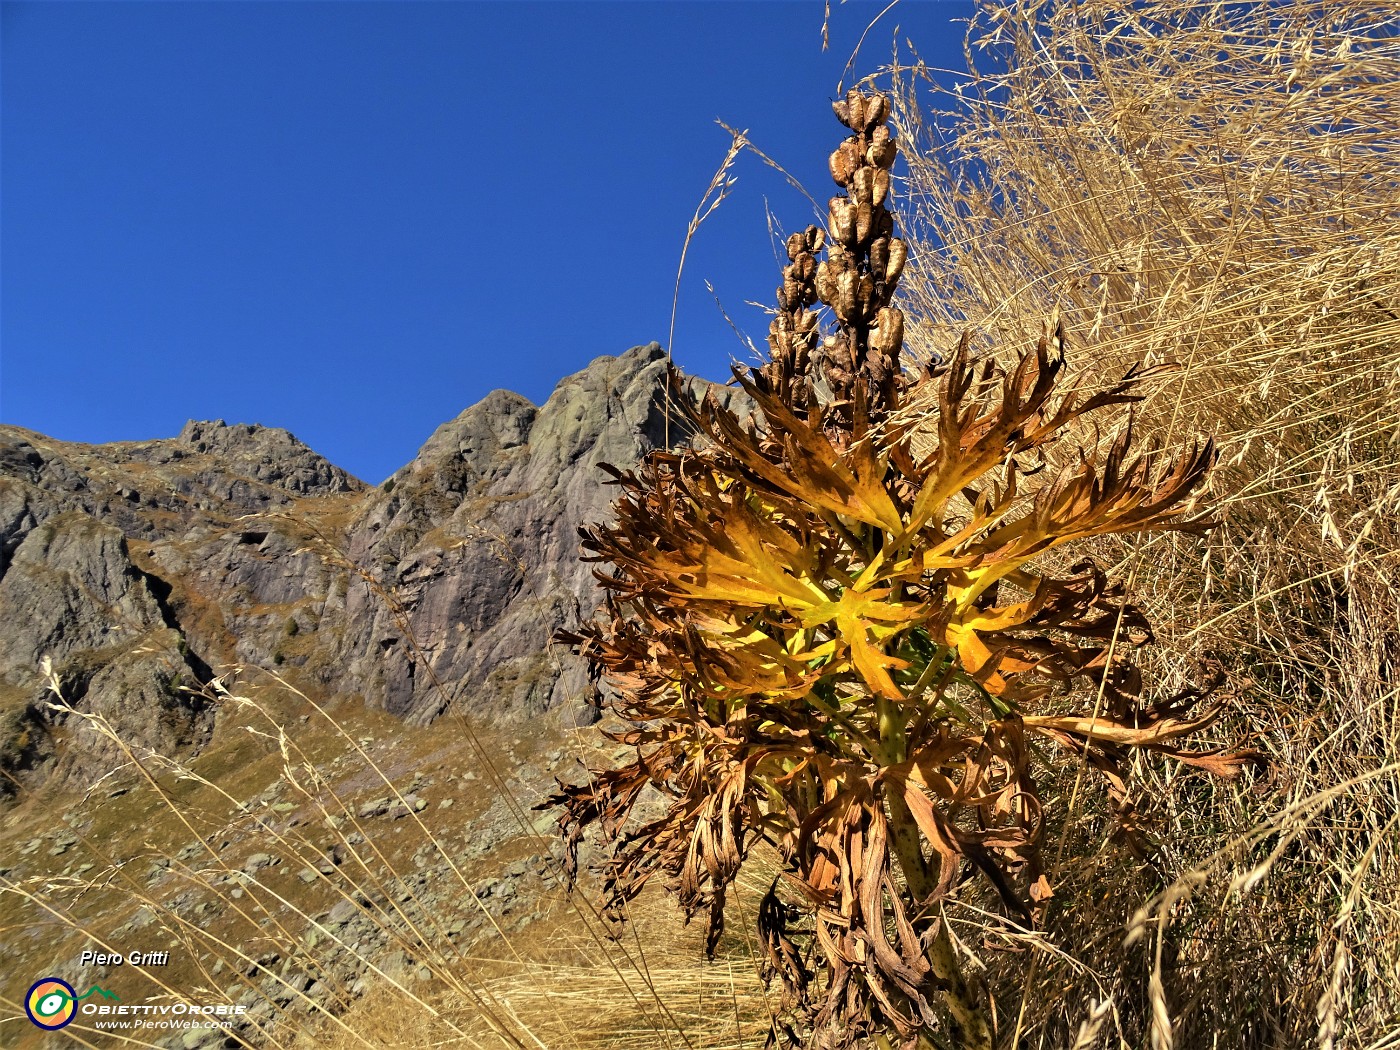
[{"x": 353, "y": 220}]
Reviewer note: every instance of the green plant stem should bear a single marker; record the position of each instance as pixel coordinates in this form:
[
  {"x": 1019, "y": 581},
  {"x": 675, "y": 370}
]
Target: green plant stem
[{"x": 971, "y": 1030}]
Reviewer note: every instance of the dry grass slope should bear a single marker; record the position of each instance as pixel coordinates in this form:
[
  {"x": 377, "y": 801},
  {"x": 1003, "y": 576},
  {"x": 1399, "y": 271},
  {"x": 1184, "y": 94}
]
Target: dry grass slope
[{"x": 1214, "y": 186}]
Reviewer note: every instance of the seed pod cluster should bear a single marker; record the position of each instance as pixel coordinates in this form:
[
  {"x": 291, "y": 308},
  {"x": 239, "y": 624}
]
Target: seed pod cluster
[
  {"x": 857, "y": 279},
  {"x": 794, "y": 332},
  {"x": 864, "y": 259}
]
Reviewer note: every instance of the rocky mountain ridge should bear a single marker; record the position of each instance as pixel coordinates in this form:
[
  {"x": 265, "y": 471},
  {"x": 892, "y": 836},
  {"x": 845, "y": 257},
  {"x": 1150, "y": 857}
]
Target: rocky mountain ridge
[{"x": 144, "y": 568}]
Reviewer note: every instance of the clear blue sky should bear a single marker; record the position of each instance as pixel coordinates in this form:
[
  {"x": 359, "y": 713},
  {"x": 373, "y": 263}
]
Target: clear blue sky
[{"x": 353, "y": 220}]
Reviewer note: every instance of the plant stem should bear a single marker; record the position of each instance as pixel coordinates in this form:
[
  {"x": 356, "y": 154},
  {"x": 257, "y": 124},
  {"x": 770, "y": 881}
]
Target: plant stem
[{"x": 971, "y": 1030}]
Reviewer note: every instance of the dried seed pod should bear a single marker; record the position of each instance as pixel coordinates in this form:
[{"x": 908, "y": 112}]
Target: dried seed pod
[
  {"x": 877, "y": 110},
  {"x": 846, "y": 306},
  {"x": 843, "y": 112},
  {"x": 805, "y": 266},
  {"x": 842, "y": 217},
  {"x": 837, "y": 351},
  {"x": 879, "y": 184},
  {"x": 881, "y": 156},
  {"x": 796, "y": 292},
  {"x": 882, "y": 224},
  {"x": 826, "y": 282},
  {"x": 796, "y": 245},
  {"x": 855, "y": 110},
  {"x": 895, "y": 266},
  {"x": 879, "y": 256},
  {"x": 805, "y": 323},
  {"x": 816, "y": 237},
  {"x": 849, "y": 350},
  {"x": 878, "y": 342},
  {"x": 888, "y": 334},
  {"x": 882, "y": 149},
  {"x": 865, "y": 297},
  {"x": 801, "y": 358},
  {"x": 865, "y": 223},
  {"x": 862, "y": 186},
  {"x": 879, "y": 367},
  {"x": 779, "y": 342},
  {"x": 844, "y": 161}
]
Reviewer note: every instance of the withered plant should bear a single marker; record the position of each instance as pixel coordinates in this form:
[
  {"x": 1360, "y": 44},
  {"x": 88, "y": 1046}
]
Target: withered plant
[{"x": 833, "y": 635}]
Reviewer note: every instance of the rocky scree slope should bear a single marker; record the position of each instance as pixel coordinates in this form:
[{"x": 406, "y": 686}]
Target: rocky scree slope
[{"x": 143, "y": 568}]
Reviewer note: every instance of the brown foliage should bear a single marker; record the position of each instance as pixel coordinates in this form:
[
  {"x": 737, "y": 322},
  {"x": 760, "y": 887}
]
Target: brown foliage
[{"x": 833, "y": 640}]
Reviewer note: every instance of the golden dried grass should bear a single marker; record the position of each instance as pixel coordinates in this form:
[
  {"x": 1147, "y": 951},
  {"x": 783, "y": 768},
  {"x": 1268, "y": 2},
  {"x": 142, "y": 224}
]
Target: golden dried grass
[{"x": 1213, "y": 186}]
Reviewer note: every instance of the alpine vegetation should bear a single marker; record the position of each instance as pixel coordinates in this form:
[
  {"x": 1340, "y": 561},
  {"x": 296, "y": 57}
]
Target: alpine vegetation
[{"x": 848, "y": 632}]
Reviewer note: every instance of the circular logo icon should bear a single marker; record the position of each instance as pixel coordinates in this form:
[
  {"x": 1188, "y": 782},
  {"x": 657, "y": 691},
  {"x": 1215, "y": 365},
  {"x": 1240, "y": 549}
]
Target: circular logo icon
[{"x": 51, "y": 1003}]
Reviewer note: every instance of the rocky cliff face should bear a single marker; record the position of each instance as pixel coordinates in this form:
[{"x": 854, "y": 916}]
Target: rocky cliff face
[
  {"x": 142, "y": 568},
  {"x": 78, "y": 528},
  {"x": 477, "y": 540}
]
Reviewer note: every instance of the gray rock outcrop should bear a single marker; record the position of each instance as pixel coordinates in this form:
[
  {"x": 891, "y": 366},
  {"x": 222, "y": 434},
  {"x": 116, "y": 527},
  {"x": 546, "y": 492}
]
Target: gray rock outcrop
[
  {"x": 477, "y": 540},
  {"x": 83, "y": 529},
  {"x": 71, "y": 594},
  {"x": 138, "y": 567}
]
